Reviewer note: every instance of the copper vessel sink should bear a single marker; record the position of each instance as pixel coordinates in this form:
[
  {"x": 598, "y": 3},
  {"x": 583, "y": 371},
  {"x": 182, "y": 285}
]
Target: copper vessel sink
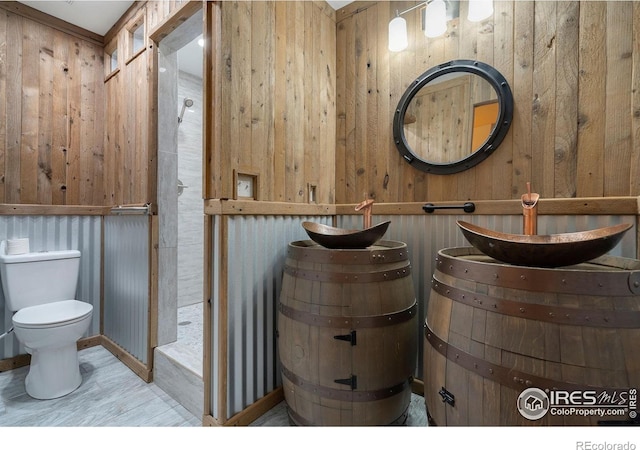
[
  {"x": 552, "y": 250},
  {"x": 332, "y": 237}
]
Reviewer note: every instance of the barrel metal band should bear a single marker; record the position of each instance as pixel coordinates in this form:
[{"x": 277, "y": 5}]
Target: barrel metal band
[
  {"x": 351, "y": 322},
  {"x": 543, "y": 313},
  {"x": 503, "y": 375},
  {"x": 383, "y": 253},
  {"x": 346, "y": 395},
  {"x": 558, "y": 280},
  {"x": 348, "y": 277}
]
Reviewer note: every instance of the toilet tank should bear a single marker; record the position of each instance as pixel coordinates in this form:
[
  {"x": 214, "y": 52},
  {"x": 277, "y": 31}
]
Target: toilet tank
[{"x": 36, "y": 278}]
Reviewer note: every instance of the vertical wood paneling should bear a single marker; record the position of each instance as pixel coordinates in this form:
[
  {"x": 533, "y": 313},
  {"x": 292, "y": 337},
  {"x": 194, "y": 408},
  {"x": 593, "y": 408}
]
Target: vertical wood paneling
[
  {"x": 279, "y": 133},
  {"x": 634, "y": 167},
  {"x": 565, "y": 149},
  {"x": 503, "y": 61},
  {"x": 262, "y": 66},
  {"x": 483, "y": 181},
  {"x": 572, "y": 67},
  {"x": 51, "y": 137},
  {"x": 240, "y": 103},
  {"x": 361, "y": 131},
  {"x": 276, "y": 96},
  {"x": 294, "y": 82},
  {"x": 3, "y": 94},
  {"x": 617, "y": 140},
  {"x": 13, "y": 113},
  {"x": 591, "y": 99},
  {"x": 130, "y": 155},
  {"x": 30, "y": 112},
  {"x": 74, "y": 130},
  {"x": 522, "y": 93},
  {"x": 45, "y": 107},
  {"x": 544, "y": 97},
  {"x": 326, "y": 83},
  {"x": 67, "y": 136},
  {"x": 60, "y": 119}
]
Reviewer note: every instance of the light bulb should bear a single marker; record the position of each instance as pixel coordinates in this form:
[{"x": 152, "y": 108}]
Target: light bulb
[
  {"x": 480, "y": 10},
  {"x": 398, "y": 40},
  {"x": 435, "y": 22}
]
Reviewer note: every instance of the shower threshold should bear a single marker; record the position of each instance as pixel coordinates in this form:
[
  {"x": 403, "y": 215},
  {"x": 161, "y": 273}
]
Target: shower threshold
[{"x": 178, "y": 365}]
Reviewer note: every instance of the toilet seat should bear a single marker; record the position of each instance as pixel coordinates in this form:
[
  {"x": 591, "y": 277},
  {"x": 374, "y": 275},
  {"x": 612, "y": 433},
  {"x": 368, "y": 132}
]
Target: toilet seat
[{"x": 51, "y": 315}]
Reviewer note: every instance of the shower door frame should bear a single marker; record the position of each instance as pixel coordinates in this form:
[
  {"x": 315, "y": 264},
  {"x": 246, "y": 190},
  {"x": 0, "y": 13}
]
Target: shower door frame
[{"x": 164, "y": 333}]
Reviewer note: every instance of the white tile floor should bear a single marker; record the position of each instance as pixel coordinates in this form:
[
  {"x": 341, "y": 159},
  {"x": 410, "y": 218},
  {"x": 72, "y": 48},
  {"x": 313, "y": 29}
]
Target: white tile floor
[{"x": 110, "y": 395}]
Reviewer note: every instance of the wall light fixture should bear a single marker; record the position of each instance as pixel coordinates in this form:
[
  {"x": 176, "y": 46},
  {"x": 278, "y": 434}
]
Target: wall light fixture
[
  {"x": 479, "y": 10},
  {"x": 434, "y": 20}
]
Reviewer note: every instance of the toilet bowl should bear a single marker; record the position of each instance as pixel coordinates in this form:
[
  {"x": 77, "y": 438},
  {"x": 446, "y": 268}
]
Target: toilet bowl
[
  {"x": 50, "y": 333},
  {"x": 40, "y": 288}
]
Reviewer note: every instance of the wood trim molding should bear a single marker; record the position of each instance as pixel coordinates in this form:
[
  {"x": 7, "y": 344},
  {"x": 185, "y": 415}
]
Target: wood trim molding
[
  {"x": 250, "y": 413},
  {"x": 132, "y": 363},
  {"x": 14, "y": 362},
  {"x": 223, "y": 320},
  {"x": 53, "y": 22},
  {"x": 251, "y": 207},
  {"x": 52, "y": 210},
  {"x": 207, "y": 331},
  {"x": 124, "y": 20},
  {"x": 257, "y": 409},
  {"x": 552, "y": 206},
  {"x": 24, "y": 360},
  {"x": 417, "y": 387},
  {"x": 174, "y": 20}
]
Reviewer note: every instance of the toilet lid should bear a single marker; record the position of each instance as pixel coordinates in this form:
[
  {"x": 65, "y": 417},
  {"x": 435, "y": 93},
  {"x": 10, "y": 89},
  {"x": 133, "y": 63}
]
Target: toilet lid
[{"x": 52, "y": 314}]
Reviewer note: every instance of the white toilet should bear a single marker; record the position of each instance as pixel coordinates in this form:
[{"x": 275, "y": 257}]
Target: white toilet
[{"x": 40, "y": 288}]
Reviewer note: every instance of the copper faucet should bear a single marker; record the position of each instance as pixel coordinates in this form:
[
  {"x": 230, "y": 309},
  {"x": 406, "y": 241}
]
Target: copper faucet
[
  {"x": 530, "y": 211},
  {"x": 366, "y": 207}
]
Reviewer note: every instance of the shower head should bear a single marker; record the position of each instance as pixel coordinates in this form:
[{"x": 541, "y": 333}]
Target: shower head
[{"x": 187, "y": 103}]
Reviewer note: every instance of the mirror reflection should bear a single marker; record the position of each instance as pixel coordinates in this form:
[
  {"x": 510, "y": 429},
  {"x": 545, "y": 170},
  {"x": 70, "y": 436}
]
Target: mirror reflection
[{"x": 451, "y": 117}]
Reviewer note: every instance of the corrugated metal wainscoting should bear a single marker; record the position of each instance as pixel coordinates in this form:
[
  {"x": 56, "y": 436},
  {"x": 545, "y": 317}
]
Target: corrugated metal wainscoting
[
  {"x": 126, "y": 283},
  {"x": 57, "y": 233},
  {"x": 257, "y": 247},
  {"x": 427, "y": 234}
]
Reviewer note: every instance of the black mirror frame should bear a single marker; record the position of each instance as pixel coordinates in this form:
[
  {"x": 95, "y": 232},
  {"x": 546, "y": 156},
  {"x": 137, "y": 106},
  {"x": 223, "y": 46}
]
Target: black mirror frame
[{"x": 505, "y": 100}]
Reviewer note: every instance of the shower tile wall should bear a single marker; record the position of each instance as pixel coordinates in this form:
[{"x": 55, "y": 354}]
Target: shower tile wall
[{"x": 190, "y": 204}]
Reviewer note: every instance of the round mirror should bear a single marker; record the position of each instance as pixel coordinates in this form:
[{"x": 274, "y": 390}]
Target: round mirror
[{"x": 453, "y": 116}]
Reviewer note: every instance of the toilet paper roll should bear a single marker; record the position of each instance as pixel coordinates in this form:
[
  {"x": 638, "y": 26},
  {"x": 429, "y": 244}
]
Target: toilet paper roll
[{"x": 17, "y": 246}]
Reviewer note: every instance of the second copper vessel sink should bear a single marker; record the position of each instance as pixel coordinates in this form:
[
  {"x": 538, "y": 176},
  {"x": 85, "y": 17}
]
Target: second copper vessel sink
[{"x": 553, "y": 250}]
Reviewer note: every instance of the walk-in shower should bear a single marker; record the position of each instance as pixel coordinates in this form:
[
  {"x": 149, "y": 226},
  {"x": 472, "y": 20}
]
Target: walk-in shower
[{"x": 187, "y": 103}]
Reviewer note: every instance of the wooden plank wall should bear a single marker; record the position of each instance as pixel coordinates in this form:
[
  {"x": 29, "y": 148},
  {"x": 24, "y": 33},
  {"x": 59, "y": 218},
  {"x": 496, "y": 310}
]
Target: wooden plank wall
[
  {"x": 71, "y": 134},
  {"x": 291, "y": 80},
  {"x": 51, "y": 114},
  {"x": 129, "y": 140},
  {"x": 573, "y": 67},
  {"x": 274, "y": 90}
]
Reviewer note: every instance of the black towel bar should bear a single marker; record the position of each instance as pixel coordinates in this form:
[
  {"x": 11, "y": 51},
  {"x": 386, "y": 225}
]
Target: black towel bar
[{"x": 468, "y": 207}]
